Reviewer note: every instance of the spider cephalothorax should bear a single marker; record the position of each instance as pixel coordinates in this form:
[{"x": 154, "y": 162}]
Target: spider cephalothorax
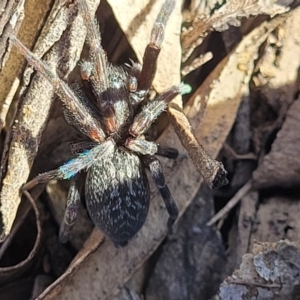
[{"x": 116, "y": 188}]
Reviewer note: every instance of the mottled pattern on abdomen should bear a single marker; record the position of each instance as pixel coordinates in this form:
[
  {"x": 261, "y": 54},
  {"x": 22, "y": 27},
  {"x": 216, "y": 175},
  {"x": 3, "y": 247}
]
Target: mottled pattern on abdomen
[{"x": 117, "y": 195}]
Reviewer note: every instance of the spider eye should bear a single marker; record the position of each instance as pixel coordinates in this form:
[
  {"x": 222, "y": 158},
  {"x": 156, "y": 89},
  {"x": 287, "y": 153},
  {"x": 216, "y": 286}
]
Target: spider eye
[
  {"x": 132, "y": 84},
  {"x": 116, "y": 81}
]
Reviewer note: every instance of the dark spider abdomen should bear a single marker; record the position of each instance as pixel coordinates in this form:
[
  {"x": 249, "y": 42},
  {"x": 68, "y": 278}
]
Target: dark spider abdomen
[{"x": 117, "y": 195}]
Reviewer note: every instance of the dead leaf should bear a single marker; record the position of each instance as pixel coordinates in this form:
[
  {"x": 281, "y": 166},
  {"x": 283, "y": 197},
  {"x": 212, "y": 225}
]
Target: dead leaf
[
  {"x": 277, "y": 82},
  {"x": 223, "y": 90},
  {"x": 137, "y": 29},
  {"x": 31, "y": 118},
  {"x": 280, "y": 167},
  {"x": 268, "y": 273}
]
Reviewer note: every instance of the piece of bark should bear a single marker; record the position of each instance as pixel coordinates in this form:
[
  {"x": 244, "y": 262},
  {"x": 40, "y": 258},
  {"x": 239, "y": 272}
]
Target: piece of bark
[
  {"x": 281, "y": 166},
  {"x": 271, "y": 271},
  {"x": 277, "y": 218},
  {"x": 246, "y": 223}
]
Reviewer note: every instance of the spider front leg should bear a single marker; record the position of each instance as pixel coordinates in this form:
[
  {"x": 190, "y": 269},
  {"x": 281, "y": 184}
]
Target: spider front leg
[
  {"x": 153, "y": 109},
  {"x": 96, "y": 69},
  {"x": 146, "y": 117},
  {"x": 157, "y": 174},
  {"x": 153, "y": 48},
  {"x": 97, "y": 62},
  {"x": 83, "y": 161},
  {"x": 76, "y": 112}
]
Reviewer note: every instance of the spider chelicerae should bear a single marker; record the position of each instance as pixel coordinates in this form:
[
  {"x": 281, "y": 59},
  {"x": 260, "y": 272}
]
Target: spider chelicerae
[{"x": 116, "y": 188}]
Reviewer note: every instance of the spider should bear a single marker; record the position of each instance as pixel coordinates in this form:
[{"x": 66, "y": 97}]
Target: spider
[{"x": 116, "y": 188}]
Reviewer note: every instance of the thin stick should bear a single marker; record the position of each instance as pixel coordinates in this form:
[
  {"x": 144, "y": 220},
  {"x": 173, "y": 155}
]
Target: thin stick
[
  {"x": 232, "y": 203},
  {"x": 250, "y": 156},
  {"x": 252, "y": 283}
]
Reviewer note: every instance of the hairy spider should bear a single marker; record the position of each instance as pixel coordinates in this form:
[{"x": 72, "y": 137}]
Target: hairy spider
[{"x": 116, "y": 188}]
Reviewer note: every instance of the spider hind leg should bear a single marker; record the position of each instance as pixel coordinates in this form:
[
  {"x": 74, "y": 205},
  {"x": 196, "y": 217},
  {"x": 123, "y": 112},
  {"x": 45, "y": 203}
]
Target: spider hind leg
[
  {"x": 71, "y": 211},
  {"x": 157, "y": 175}
]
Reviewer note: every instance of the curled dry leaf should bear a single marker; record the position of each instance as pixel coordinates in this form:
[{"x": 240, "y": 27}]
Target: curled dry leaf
[
  {"x": 212, "y": 171},
  {"x": 228, "y": 14},
  {"x": 280, "y": 167},
  {"x": 10, "y": 273}
]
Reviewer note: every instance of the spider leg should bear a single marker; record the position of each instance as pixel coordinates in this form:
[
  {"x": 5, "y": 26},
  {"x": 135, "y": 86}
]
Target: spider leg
[
  {"x": 152, "y": 110},
  {"x": 83, "y": 161},
  {"x": 96, "y": 69},
  {"x": 97, "y": 55},
  {"x": 145, "y": 147},
  {"x": 80, "y": 146},
  {"x": 168, "y": 152},
  {"x": 75, "y": 111},
  {"x": 157, "y": 174},
  {"x": 141, "y": 146},
  {"x": 70, "y": 215},
  {"x": 153, "y": 48}
]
